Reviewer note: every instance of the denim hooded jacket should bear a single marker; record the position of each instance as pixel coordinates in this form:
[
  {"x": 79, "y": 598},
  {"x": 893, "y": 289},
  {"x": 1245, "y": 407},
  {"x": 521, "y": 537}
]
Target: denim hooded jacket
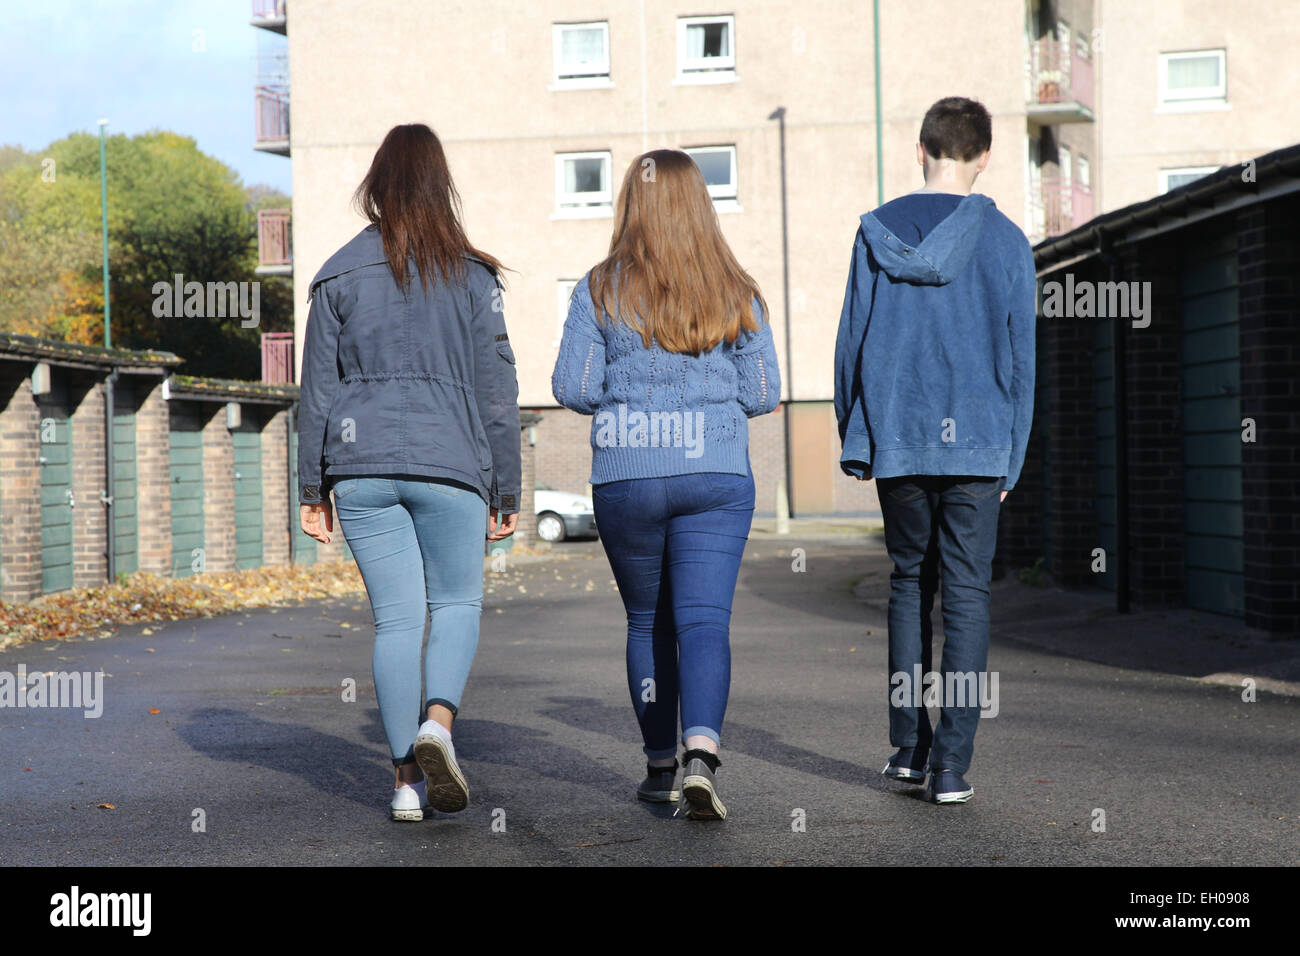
[
  {"x": 934, "y": 361},
  {"x": 418, "y": 383}
]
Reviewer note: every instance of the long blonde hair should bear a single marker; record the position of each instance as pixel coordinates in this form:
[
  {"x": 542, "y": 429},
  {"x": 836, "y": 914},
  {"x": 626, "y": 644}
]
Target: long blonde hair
[{"x": 670, "y": 274}]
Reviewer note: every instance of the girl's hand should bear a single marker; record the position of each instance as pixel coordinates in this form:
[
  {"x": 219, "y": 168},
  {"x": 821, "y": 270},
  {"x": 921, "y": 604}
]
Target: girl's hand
[
  {"x": 1003, "y": 498},
  {"x": 312, "y": 517},
  {"x": 504, "y": 525}
]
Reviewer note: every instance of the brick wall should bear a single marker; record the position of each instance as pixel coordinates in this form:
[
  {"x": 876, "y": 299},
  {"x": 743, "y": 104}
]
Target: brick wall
[
  {"x": 89, "y": 480},
  {"x": 20, "y": 484},
  {"x": 1269, "y": 303},
  {"x": 275, "y": 485},
  {"x": 153, "y": 477},
  {"x": 1155, "y": 430},
  {"x": 526, "y": 530},
  {"x": 218, "y": 490}
]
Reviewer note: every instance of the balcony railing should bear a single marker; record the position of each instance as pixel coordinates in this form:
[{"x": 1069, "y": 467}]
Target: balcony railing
[
  {"x": 1060, "y": 81},
  {"x": 1057, "y": 206},
  {"x": 277, "y": 358},
  {"x": 273, "y": 119},
  {"x": 269, "y": 14},
  {"x": 274, "y": 242}
]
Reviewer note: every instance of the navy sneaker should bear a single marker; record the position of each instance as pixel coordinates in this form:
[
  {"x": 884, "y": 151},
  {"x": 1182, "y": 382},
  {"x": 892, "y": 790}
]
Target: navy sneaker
[
  {"x": 948, "y": 786},
  {"x": 908, "y": 765}
]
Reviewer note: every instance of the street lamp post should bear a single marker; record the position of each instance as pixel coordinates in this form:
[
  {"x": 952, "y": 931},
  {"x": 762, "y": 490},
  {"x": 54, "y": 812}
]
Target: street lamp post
[
  {"x": 778, "y": 114},
  {"x": 110, "y": 517}
]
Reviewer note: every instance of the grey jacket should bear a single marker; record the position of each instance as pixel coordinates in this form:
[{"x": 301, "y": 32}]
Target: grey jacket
[{"x": 420, "y": 384}]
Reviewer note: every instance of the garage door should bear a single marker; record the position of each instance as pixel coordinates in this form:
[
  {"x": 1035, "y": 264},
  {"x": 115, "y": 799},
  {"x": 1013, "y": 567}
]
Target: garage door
[
  {"x": 187, "y": 486},
  {"x": 57, "y": 502},
  {"x": 1211, "y": 376},
  {"x": 247, "y": 440}
]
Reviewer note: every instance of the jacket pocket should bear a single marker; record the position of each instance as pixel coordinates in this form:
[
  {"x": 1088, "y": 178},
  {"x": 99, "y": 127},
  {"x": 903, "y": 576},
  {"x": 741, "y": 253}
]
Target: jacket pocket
[{"x": 506, "y": 352}]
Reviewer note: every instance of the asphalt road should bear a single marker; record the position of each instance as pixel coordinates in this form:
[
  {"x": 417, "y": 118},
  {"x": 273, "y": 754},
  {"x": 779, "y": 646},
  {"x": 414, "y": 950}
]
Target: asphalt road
[{"x": 252, "y": 730}]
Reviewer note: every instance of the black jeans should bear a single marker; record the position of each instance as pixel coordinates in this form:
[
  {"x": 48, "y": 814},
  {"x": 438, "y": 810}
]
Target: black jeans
[{"x": 939, "y": 527}]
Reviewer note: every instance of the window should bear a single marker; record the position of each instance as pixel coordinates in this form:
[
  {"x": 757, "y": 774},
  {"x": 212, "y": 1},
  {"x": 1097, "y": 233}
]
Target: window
[
  {"x": 1083, "y": 172},
  {"x": 581, "y": 52},
  {"x": 563, "y": 293},
  {"x": 1194, "y": 77},
  {"x": 1065, "y": 160},
  {"x": 718, "y": 164},
  {"x": 706, "y": 49},
  {"x": 582, "y": 186},
  {"x": 1173, "y": 178}
]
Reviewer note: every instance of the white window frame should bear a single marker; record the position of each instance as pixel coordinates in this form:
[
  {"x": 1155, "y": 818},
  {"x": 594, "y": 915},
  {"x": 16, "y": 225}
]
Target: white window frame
[
  {"x": 1065, "y": 164},
  {"x": 725, "y": 198},
  {"x": 1196, "y": 95},
  {"x": 563, "y": 294},
  {"x": 1083, "y": 171},
  {"x": 584, "y": 205},
  {"x": 711, "y": 69},
  {"x": 594, "y": 80},
  {"x": 1165, "y": 174}
]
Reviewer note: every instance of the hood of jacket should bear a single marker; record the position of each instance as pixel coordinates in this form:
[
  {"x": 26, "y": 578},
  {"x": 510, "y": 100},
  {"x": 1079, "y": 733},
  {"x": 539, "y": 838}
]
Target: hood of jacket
[{"x": 942, "y": 254}]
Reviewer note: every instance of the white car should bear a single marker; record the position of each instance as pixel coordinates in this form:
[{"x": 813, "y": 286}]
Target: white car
[{"x": 562, "y": 514}]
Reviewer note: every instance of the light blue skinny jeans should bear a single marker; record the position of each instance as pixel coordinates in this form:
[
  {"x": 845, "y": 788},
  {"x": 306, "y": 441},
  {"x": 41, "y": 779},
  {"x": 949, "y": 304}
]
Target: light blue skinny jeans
[{"x": 419, "y": 546}]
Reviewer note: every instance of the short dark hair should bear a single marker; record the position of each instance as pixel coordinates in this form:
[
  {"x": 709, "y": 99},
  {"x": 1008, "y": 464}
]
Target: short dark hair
[{"x": 957, "y": 128}]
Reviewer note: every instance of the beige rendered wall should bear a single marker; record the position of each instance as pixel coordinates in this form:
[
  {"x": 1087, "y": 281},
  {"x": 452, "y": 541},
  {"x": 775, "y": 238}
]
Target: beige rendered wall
[
  {"x": 1262, "y": 113},
  {"x": 478, "y": 74}
]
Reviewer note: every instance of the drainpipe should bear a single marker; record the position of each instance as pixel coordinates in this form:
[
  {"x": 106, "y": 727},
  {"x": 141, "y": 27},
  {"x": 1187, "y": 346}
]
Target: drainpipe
[
  {"x": 1120, "y": 379},
  {"x": 109, "y": 505},
  {"x": 880, "y": 149}
]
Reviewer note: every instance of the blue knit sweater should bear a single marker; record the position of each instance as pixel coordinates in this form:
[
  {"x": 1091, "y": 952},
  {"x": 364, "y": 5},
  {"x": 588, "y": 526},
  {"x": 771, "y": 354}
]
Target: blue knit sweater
[{"x": 657, "y": 413}]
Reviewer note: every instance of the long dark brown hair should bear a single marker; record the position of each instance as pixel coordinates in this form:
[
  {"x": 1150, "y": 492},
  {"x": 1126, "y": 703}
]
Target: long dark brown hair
[
  {"x": 670, "y": 274},
  {"x": 408, "y": 193}
]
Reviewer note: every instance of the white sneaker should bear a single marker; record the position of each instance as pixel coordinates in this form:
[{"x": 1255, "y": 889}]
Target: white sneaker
[
  {"x": 436, "y": 756},
  {"x": 409, "y": 802}
]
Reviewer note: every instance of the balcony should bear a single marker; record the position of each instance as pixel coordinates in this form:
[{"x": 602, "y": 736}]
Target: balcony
[
  {"x": 274, "y": 243},
  {"x": 272, "y": 120},
  {"x": 1060, "y": 84},
  {"x": 1056, "y": 206},
  {"x": 277, "y": 358},
  {"x": 270, "y": 15}
]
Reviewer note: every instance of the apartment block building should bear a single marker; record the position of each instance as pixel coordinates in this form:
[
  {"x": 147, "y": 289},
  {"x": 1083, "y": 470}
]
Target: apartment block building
[{"x": 542, "y": 106}]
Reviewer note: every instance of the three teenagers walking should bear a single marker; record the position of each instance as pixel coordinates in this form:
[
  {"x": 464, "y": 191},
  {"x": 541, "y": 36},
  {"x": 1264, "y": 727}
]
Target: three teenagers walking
[{"x": 409, "y": 415}]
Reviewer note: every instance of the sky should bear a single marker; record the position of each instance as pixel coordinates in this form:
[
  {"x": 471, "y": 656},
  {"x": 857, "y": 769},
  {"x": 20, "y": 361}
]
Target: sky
[{"x": 188, "y": 66}]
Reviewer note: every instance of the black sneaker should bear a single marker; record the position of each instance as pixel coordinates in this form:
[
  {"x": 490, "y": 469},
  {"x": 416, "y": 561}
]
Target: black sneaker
[
  {"x": 909, "y": 765},
  {"x": 657, "y": 787},
  {"x": 948, "y": 786},
  {"x": 698, "y": 789}
]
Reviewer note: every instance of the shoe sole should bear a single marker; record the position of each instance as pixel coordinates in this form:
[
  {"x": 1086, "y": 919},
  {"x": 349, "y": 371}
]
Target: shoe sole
[
  {"x": 904, "y": 774},
  {"x": 703, "y": 799},
  {"x": 955, "y": 796},
  {"x": 445, "y": 786},
  {"x": 659, "y": 796},
  {"x": 408, "y": 816}
]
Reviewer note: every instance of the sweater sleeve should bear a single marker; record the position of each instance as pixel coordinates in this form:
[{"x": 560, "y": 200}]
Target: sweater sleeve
[
  {"x": 850, "y": 409},
  {"x": 757, "y": 370},
  {"x": 496, "y": 392},
  {"x": 320, "y": 381},
  {"x": 578, "y": 381},
  {"x": 1021, "y": 322}
]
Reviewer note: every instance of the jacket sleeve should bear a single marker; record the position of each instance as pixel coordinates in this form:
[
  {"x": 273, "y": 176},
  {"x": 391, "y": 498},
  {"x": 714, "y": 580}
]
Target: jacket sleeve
[
  {"x": 1021, "y": 322},
  {"x": 578, "y": 381},
  {"x": 757, "y": 370},
  {"x": 496, "y": 391},
  {"x": 850, "y": 409},
  {"x": 320, "y": 381}
]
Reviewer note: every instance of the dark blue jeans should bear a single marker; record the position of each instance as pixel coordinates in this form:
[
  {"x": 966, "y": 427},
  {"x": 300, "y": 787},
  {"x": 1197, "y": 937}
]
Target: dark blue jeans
[
  {"x": 939, "y": 528},
  {"x": 675, "y": 546}
]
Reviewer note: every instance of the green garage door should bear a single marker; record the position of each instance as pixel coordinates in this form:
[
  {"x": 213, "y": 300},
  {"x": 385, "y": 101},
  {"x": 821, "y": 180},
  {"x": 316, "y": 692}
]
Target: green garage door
[
  {"x": 187, "y": 486},
  {"x": 1211, "y": 373},
  {"x": 57, "y": 503},
  {"x": 247, "y": 440},
  {"x": 126, "y": 548}
]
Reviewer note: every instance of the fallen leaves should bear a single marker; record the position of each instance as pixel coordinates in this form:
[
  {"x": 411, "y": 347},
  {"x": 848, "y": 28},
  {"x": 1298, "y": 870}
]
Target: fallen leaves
[
  {"x": 149, "y": 598},
  {"x": 106, "y": 806},
  {"x": 154, "y": 710}
]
